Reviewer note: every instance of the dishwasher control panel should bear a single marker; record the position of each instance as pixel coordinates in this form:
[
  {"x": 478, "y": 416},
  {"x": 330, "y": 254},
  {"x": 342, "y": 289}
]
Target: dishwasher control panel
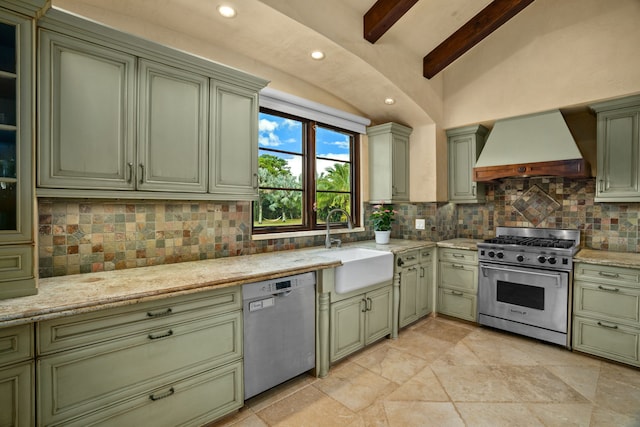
[{"x": 277, "y": 286}]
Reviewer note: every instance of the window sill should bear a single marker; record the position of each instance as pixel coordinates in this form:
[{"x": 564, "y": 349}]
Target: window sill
[{"x": 268, "y": 236}]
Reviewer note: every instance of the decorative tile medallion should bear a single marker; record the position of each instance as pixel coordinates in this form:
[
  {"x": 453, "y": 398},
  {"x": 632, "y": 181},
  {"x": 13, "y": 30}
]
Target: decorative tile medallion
[{"x": 535, "y": 205}]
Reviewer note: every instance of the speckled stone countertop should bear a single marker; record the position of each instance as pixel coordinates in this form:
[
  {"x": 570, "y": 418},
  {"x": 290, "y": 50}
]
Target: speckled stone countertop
[
  {"x": 82, "y": 293},
  {"x": 468, "y": 244},
  {"x": 614, "y": 259}
]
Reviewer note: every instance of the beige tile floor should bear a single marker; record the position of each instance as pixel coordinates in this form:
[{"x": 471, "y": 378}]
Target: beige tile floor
[{"x": 440, "y": 372}]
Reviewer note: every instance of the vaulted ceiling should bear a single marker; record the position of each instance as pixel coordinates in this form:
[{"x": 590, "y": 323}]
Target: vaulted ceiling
[{"x": 281, "y": 33}]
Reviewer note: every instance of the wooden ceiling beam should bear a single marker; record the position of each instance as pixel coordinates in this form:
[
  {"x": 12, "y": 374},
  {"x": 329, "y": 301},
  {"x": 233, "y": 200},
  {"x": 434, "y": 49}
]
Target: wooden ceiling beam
[
  {"x": 473, "y": 32},
  {"x": 382, "y": 15}
]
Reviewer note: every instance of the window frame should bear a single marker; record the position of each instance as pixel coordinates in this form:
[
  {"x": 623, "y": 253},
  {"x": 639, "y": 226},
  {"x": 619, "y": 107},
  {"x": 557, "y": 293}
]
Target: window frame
[{"x": 309, "y": 174}]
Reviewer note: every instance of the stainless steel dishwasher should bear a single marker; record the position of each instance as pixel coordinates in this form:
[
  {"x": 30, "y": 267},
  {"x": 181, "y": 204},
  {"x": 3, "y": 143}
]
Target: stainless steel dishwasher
[{"x": 279, "y": 331}]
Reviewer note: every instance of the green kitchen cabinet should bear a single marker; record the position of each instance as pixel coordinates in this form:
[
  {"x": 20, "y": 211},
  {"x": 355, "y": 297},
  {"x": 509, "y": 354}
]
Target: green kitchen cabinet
[
  {"x": 178, "y": 359},
  {"x": 409, "y": 283},
  {"x": 458, "y": 283},
  {"x": 359, "y": 321},
  {"x": 425, "y": 282},
  {"x": 388, "y": 163},
  {"x": 464, "y": 147},
  {"x": 606, "y": 312},
  {"x": 618, "y": 141},
  {"x": 234, "y": 141},
  {"x": 17, "y": 100},
  {"x": 123, "y": 117},
  {"x": 17, "y": 376}
]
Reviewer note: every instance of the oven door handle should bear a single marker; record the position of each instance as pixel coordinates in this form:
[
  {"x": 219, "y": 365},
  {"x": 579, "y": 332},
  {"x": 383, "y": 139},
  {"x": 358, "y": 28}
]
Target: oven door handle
[{"x": 537, "y": 273}]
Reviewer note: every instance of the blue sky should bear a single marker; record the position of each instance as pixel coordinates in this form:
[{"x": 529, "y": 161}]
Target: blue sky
[{"x": 285, "y": 134}]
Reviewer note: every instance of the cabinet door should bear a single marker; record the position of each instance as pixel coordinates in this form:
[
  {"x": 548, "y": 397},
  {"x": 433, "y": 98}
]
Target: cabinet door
[
  {"x": 408, "y": 295},
  {"x": 379, "y": 314},
  {"x": 425, "y": 288},
  {"x": 464, "y": 147},
  {"x": 400, "y": 174},
  {"x": 618, "y": 155},
  {"x": 607, "y": 339},
  {"x": 233, "y": 161},
  {"x": 86, "y": 115},
  {"x": 16, "y": 396},
  {"x": 172, "y": 144},
  {"x": 347, "y": 326}
]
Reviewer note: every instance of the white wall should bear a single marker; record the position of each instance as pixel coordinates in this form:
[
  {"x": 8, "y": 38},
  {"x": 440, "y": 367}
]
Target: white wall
[{"x": 554, "y": 54}]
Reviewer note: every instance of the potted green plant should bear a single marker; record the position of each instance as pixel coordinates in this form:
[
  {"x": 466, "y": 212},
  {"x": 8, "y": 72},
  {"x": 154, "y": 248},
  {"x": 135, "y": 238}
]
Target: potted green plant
[{"x": 381, "y": 219}]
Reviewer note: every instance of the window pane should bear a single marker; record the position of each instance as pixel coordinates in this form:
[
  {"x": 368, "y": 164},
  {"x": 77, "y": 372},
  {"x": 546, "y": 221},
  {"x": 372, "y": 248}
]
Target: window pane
[
  {"x": 278, "y": 208},
  {"x": 279, "y": 170},
  {"x": 326, "y": 201},
  {"x": 280, "y": 133},
  {"x": 331, "y": 144}
]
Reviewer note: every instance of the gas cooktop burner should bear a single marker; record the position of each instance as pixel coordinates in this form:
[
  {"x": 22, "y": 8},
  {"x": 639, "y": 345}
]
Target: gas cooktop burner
[{"x": 532, "y": 241}]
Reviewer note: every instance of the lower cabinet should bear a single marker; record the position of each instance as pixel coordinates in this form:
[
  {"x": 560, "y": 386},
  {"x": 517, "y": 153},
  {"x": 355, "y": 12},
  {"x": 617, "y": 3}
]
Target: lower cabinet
[
  {"x": 360, "y": 320},
  {"x": 172, "y": 362},
  {"x": 606, "y": 312},
  {"x": 416, "y": 285},
  {"x": 458, "y": 283},
  {"x": 17, "y": 376}
]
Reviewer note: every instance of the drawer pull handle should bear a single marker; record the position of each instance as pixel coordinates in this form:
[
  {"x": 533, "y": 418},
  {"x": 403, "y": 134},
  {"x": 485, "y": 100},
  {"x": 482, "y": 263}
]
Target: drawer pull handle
[
  {"x": 364, "y": 309},
  {"x": 607, "y": 326},
  {"x": 411, "y": 269},
  {"x": 458, "y": 266},
  {"x": 605, "y": 274},
  {"x": 458, "y": 293},
  {"x": 167, "y": 312},
  {"x": 604, "y": 288},
  {"x": 426, "y": 253},
  {"x": 411, "y": 257},
  {"x": 157, "y": 337},
  {"x": 163, "y": 395},
  {"x": 421, "y": 271},
  {"x": 369, "y": 304},
  {"x": 458, "y": 255}
]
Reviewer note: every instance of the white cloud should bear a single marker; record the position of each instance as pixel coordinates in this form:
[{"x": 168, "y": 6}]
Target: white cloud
[
  {"x": 341, "y": 144},
  {"x": 265, "y": 125}
]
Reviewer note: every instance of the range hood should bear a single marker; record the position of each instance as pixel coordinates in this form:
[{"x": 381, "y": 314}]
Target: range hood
[{"x": 533, "y": 145}]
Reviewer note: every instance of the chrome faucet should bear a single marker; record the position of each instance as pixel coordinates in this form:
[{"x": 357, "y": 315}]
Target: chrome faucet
[{"x": 329, "y": 241}]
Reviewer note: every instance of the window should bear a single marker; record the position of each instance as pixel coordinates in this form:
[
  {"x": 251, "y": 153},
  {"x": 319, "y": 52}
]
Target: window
[{"x": 306, "y": 169}]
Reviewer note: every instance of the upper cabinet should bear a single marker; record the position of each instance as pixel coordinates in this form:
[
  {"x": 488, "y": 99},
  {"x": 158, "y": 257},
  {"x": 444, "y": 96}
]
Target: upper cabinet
[
  {"x": 17, "y": 95},
  {"x": 618, "y": 174},
  {"x": 389, "y": 163},
  {"x": 121, "y": 113},
  {"x": 464, "y": 147}
]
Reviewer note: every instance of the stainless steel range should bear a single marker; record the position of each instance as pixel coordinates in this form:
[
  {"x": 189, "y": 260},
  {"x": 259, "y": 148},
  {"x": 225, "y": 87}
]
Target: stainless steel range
[{"x": 524, "y": 282}]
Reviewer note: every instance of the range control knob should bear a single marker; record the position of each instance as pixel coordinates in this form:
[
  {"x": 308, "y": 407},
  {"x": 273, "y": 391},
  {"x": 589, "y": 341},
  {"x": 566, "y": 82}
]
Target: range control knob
[
  {"x": 491, "y": 254},
  {"x": 500, "y": 255},
  {"x": 542, "y": 259},
  {"x": 520, "y": 258},
  {"x": 551, "y": 260}
]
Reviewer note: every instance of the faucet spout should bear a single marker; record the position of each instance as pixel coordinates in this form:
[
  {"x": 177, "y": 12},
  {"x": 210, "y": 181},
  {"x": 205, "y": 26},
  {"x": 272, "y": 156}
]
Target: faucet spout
[{"x": 328, "y": 240}]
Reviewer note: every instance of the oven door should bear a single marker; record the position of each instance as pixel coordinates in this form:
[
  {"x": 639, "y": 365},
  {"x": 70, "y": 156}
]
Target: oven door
[{"x": 524, "y": 295}]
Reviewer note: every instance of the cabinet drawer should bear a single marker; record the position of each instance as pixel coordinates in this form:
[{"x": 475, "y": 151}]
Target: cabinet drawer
[
  {"x": 458, "y": 276},
  {"x": 192, "y": 401},
  {"x": 92, "y": 328},
  {"x": 16, "y": 262},
  {"x": 16, "y": 344},
  {"x": 458, "y": 256},
  {"x": 76, "y": 382},
  {"x": 408, "y": 258},
  {"x": 16, "y": 396},
  {"x": 457, "y": 304},
  {"x": 426, "y": 255},
  {"x": 606, "y": 339},
  {"x": 615, "y": 303},
  {"x": 607, "y": 274}
]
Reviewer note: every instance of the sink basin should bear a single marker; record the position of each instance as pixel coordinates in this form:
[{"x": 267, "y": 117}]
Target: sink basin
[{"x": 361, "y": 268}]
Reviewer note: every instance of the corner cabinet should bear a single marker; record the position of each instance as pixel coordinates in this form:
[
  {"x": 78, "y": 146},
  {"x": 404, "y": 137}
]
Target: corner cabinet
[
  {"x": 17, "y": 100},
  {"x": 415, "y": 268},
  {"x": 458, "y": 283},
  {"x": 389, "y": 163},
  {"x": 149, "y": 123},
  {"x": 171, "y": 362},
  {"x": 606, "y": 312},
  {"x": 618, "y": 140},
  {"x": 464, "y": 147}
]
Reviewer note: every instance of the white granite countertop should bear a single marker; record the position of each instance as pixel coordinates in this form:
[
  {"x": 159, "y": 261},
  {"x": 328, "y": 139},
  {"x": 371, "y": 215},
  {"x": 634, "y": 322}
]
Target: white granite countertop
[
  {"x": 614, "y": 259},
  {"x": 81, "y": 293},
  {"x": 468, "y": 244}
]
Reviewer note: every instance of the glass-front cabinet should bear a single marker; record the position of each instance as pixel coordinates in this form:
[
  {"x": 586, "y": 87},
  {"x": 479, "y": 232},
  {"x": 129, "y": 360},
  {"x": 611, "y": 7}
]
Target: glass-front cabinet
[{"x": 17, "y": 276}]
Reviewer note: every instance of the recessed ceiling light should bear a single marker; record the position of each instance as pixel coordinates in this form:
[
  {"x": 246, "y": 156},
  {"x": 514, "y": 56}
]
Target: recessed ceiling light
[
  {"x": 389, "y": 101},
  {"x": 226, "y": 11},
  {"x": 317, "y": 54}
]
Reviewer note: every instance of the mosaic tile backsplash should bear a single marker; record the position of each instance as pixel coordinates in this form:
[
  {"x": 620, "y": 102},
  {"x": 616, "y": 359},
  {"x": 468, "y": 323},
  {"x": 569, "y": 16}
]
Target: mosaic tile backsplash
[{"x": 95, "y": 235}]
